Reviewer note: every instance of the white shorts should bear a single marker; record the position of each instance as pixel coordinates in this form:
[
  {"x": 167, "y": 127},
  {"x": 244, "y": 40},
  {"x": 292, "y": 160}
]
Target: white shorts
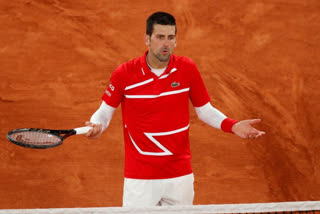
[{"x": 159, "y": 192}]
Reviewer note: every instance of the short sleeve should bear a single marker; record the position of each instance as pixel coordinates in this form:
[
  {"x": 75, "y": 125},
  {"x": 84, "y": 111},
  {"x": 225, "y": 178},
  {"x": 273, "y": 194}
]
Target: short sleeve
[
  {"x": 199, "y": 95},
  {"x": 115, "y": 91}
]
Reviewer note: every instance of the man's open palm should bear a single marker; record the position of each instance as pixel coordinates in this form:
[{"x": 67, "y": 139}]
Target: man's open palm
[{"x": 244, "y": 129}]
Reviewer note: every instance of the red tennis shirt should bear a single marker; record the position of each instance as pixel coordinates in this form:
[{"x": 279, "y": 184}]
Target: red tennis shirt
[{"x": 155, "y": 113}]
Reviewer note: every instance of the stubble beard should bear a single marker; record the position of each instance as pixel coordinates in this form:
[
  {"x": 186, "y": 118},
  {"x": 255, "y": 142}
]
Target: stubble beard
[{"x": 163, "y": 58}]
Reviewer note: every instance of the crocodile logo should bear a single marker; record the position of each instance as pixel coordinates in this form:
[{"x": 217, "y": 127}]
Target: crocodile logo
[{"x": 175, "y": 84}]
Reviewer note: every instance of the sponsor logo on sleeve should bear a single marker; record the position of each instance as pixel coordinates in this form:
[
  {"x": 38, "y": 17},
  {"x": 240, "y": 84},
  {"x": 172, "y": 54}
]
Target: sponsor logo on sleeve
[
  {"x": 111, "y": 87},
  {"x": 108, "y": 93},
  {"x": 110, "y": 90}
]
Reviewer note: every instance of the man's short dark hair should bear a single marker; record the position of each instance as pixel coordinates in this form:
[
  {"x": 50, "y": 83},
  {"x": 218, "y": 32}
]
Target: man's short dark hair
[{"x": 161, "y": 18}]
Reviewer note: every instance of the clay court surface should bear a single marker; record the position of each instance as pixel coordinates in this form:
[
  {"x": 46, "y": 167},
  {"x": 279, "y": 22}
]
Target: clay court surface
[{"x": 259, "y": 59}]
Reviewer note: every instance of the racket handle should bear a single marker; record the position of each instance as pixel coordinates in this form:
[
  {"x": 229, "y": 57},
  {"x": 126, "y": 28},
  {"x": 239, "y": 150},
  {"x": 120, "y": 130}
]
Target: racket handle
[{"x": 82, "y": 130}]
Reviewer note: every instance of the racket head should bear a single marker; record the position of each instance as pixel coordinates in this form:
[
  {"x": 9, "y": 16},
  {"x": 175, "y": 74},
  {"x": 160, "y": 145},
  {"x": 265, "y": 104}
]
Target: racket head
[{"x": 35, "y": 138}]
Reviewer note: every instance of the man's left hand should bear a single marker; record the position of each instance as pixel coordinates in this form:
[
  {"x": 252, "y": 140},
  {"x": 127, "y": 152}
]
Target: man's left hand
[{"x": 244, "y": 129}]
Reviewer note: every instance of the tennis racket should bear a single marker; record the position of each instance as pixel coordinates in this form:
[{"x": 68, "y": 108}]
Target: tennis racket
[{"x": 42, "y": 138}]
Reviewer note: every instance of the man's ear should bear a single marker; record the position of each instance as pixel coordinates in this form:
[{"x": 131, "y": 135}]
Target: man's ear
[
  {"x": 147, "y": 39},
  {"x": 175, "y": 44}
]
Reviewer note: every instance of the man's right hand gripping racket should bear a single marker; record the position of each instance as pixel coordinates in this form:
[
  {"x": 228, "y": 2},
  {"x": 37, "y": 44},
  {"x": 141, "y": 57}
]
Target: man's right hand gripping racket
[{"x": 42, "y": 138}]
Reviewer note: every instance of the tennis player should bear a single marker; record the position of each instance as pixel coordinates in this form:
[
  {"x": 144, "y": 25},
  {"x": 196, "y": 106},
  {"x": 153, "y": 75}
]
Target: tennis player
[{"x": 154, "y": 92}]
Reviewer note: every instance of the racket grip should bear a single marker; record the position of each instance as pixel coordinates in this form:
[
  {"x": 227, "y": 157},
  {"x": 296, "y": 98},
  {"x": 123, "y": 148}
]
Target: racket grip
[{"x": 82, "y": 130}]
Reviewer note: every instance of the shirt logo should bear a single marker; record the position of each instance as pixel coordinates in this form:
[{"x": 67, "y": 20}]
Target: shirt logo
[
  {"x": 111, "y": 87},
  {"x": 108, "y": 93},
  {"x": 175, "y": 84}
]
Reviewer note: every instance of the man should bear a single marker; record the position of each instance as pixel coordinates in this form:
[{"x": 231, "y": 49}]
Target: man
[{"x": 154, "y": 92}]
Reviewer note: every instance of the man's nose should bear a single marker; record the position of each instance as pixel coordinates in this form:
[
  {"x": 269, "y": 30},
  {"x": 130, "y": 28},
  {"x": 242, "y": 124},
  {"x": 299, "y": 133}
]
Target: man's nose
[{"x": 166, "y": 42}]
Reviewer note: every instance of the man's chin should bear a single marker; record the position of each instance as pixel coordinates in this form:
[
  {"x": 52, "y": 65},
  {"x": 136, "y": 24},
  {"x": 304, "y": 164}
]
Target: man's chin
[{"x": 164, "y": 58}]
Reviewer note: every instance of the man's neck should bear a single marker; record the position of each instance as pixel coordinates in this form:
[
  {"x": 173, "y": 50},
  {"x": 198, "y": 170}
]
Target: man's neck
[{"x": 156, "y": 71}]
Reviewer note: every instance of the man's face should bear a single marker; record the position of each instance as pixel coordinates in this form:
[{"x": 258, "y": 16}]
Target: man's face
[{"x": 162, "y": 42}]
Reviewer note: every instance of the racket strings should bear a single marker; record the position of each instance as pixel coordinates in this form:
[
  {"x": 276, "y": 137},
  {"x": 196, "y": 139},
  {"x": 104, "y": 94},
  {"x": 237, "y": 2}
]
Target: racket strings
[{"x": 35, "y": 138}]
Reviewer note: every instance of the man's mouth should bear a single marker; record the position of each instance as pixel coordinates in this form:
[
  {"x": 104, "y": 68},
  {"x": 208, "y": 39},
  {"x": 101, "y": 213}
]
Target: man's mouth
[{"x": 165, "y": 52}]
